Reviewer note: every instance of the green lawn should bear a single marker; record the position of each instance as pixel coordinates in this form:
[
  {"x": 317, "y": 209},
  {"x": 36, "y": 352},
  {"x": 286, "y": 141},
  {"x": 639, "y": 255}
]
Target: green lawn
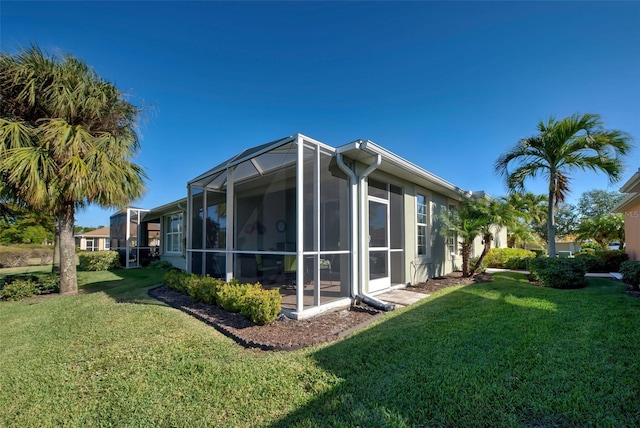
[{"x": 497, "y": 354}]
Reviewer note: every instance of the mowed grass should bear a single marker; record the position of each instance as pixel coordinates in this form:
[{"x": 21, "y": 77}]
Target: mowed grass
[{"x": 498, "y": 354}]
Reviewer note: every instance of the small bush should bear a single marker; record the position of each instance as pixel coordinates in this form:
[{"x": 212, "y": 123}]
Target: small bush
[
  {"x": 590, "y": 246},
  {"x": 49, "y": 283},
  {"x": 630, "y": 271},
  {"x": 99, "y": 260},
  {"x": 483, "y": 266},
  {"x": 613, "y": 259},
  {"x": 518, "y": 263},
  {"x": 203, "y": 288},
  {"x": 18, "y": 289},
  {"x": 20, "y": 286},
  {"x": 540, "y": 252},
  {"x": 231, "y": 296},
  {"x": 499, "y": 257},
  {"x": 559, "y": 273},
  {"x": 261, "y": 306},
  {"x": 10, "y": 259},
  {"x": 593, "y": 263}
]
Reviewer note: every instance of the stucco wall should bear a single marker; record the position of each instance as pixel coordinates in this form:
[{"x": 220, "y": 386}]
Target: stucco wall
[{"x": 632, "y": 232}]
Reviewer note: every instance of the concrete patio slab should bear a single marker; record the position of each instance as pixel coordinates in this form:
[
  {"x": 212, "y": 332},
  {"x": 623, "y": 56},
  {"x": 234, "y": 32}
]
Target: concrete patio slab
[{"x": 401, "y": 297}]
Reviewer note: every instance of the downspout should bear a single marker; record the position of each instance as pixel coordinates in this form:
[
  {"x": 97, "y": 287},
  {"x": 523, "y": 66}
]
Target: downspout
[{"x": 359, "y": 235}]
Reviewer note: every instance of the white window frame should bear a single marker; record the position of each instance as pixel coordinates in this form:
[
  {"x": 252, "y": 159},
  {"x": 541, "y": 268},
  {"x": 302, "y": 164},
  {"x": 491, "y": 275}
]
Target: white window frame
[
  {"x": 170, "y": 236},
  {"x": 424, "y": 224},
  {"x": 93, "y": 244},
  {"x": 107, "y": 243},
  {"x": 453, "y": 247}
]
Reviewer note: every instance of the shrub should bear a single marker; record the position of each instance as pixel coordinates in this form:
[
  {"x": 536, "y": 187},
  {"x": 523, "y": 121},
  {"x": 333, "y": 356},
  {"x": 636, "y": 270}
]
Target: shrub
[
  {"x": 590, "y": 245},
  {"x": 19, "y": 289},
  {"x": 630, "y": 271},
  {"x": 474, "y": 260},
  {"x": 231, "y": 296},
  {"x": 9, "y": 259},
  {"x": 613, "y": 259},
  {"x": 540, "y": 252},
  {"x": 48, "y": 283},
  {"x": 499, "y": 257},
  {"x": 261, "y": 306},
  {"x": 27, "y": 285},
  {"x": 99, "y": 260},
  {"x": 559, "y": 273},
  {"x": 593, "y": 263},
  {"x": 203, "y": 288}
]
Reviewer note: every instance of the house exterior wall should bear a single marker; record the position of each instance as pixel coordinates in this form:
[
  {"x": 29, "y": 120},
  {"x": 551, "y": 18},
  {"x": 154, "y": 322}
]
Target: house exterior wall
[
  {"x": 632, "y": 231},
  {"x": 299, "y": 213},
  {"x": 100, "y": 243},
  {"x": 176, "y": 258}
]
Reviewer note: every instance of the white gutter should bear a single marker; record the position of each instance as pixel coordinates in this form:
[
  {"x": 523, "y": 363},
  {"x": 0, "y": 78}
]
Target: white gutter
[{"x": 358, "y": 222}]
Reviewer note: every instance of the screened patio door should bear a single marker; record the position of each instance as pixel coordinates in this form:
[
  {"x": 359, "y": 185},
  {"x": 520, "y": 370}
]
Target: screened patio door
[{"x": 378, "y": 244}]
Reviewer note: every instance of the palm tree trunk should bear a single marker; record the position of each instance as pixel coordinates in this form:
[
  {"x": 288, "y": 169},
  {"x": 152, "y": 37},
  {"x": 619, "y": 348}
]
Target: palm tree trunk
[
  {"x": 68, "y": 276},
  {"x": 466, "y": 258},
  {"x": 55, "y": 266},
  {"x": 487, "y": 238},
  {"x": 551, "y": 221}
]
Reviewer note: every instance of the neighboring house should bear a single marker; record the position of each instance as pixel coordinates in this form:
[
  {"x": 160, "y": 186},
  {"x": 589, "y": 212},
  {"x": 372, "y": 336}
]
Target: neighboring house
[
  {"x": 321, "y": 223},
  {"x": 96, "y": 240},
  {"x": 136, "y": 240},
  {"x": 630, "y": 207}
]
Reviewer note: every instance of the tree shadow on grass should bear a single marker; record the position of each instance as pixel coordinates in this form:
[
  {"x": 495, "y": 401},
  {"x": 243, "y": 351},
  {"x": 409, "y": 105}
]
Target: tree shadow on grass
[
  {"x": 123, "y": 285},
  {"x": 492, "y": 354}
]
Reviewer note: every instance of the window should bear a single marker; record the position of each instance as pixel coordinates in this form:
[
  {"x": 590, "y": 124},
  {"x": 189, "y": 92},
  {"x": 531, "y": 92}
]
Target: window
[
  {"x": 452, "y": 239},
  {"x": 173, "y": 234},
  {"x": 106, "y": 244},
  {"x": 90, "y": 246},
  {"x": 421, "y": 225}
]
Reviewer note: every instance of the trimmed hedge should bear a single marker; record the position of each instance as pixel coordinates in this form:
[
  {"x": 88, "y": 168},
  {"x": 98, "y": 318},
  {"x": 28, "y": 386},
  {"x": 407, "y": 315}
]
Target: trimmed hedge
[
  {"x": 251, "y": 300},
  {"x": 593, "y": 263},
  {"x": 99, "y": 260},
  {"x": 630, "y": 271},
  {"x": 510, "y": 258},
  {"x": 559, "y": 273}
]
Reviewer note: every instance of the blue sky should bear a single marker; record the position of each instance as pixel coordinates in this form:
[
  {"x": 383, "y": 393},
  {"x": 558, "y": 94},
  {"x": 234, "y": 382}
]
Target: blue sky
[{"x": 447, "y": 85}]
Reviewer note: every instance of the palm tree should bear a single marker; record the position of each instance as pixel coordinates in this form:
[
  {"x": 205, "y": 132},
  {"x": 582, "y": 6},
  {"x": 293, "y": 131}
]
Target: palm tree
[
  {"x": 66, "y": 140},
  {"x": 577, "y": 141},
  {"x": 474, "y": 217},
  {"x": 525, "y": 209}
]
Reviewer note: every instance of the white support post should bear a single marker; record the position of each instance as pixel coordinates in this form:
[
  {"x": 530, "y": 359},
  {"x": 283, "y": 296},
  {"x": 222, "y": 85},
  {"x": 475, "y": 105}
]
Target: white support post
[
  {"x": 300, "y": 226},
  {"x": 316, "y": 227},
  {"x": 230, "y": 225}
]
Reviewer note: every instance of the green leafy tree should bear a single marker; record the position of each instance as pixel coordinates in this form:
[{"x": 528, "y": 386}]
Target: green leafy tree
[
  {"x": 603, "y": 229},
  {"x": 567, "y": 220},
  {"x": 560, "y": 147},
  {"x": 67, "y": 138},
  {"x": 595, "y": 203},
  {"x": 26, "y": 227}
]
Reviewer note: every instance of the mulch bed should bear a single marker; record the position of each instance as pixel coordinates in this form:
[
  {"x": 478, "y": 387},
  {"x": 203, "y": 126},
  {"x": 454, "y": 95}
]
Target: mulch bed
[{"x": 286, "y": 334}]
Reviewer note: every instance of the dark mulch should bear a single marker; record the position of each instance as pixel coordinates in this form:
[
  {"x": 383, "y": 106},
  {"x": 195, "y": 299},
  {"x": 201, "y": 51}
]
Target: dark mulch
[{"x": 287, "y": 334}]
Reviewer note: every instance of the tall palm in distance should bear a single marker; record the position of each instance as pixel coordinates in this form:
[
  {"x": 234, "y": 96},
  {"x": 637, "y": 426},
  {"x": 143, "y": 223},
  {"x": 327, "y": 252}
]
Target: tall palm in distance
[
  {"x": 66, "y": 141},
  {"x": 560, "y": 147}
]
